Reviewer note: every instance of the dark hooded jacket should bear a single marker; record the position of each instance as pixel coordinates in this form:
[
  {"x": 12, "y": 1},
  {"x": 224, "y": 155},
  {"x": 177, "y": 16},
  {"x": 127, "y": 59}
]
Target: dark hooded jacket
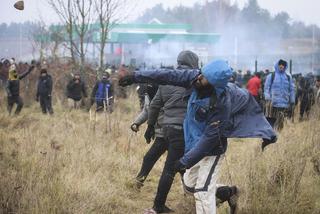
[
  {"x": 76, "y": 90},
  {"x": 44, "y": 86},
  {"x": 170, "y": 98}
]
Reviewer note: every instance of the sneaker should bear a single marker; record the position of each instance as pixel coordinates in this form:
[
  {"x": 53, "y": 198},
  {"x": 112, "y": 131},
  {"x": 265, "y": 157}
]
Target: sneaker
[
  {"x": 233, "y": 200},
  {"x": 162, "y": 209}
]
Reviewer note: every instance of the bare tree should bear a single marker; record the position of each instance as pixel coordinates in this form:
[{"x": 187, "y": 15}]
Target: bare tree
[
  {"x": 56, "y": 38},
  {"x": 82, "y": 20},
  {"x": 110, "y": 13},
  {"x": 64, "y": 9},
  {"x": 40, "y": 38}
]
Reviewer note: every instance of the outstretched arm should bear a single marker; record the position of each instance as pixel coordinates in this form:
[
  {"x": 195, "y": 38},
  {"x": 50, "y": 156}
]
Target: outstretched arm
[
  {"x": 181, "y": 77},
  {"x": 26, "y": 73}
]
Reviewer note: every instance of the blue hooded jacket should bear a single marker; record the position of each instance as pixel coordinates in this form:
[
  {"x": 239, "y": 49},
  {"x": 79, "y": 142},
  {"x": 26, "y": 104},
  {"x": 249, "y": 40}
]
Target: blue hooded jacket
[
  {"x": 282, "y": 91},
  {"x": 207, "y": 124}
]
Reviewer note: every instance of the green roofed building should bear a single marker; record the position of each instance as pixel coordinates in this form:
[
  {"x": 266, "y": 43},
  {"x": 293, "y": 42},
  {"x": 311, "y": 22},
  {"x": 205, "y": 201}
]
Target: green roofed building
[{"x": 151, "y": 43}]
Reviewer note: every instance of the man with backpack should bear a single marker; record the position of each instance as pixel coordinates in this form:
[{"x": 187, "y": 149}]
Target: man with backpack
[
  {"x": 102, "y": 94},
  {"x": 279, "y": 93},
  {"x": 44, "y": 91},
  {"x": 216, "y": 110}
]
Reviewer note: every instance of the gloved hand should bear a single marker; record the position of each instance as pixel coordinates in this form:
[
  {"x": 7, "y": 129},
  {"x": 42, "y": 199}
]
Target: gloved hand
[
  {"x": 135, "y": 127},
  {"x": 149, "y": 134},
  {"x": 179, "y": 167},
  {"x": 126, "y": 80}
]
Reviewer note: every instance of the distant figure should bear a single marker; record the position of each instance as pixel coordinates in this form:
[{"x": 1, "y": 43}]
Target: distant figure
[
  {"x": 44, "y": 91},
  {"x": 102, "y": 94},
  {"x": 279, "y": 93},
  {"x": 246, "y": 77},
  {"x": 305, "y": 95},
  {"x": 254, "y": 86},
  {"x": 317, "y": 91},
  {"x": 233, "y": 79},
  {"x": 239, "y": 78},
  {"x": 76, "y": 90},
  {"x": 13, "y": 86}
]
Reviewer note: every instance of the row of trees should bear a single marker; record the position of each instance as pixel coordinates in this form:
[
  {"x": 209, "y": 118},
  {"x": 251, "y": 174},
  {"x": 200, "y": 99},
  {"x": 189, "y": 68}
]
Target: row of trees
[
  {"x": 252, "y": 22},
  {"x": 79, "y": 19}
]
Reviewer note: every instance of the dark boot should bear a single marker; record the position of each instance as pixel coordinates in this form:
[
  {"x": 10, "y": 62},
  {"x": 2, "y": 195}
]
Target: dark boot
[{"x": 163, "y": 209}]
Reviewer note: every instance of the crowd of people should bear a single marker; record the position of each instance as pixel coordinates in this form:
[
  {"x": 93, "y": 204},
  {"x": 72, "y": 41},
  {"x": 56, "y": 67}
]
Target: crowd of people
[
  {"x": 191, "y": 113},
  {"x": 76, "y": 90}
]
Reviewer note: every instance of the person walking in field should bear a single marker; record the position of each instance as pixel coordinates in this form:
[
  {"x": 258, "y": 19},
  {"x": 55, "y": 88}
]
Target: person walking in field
[
  {"x": 216, "y": 110},
  {"x": 102, "y": 94},
  {"x": 76, "y": 91},
  {"x": 44, "y": 92},
  {"x": 279, "y": 93},
  {"x": 158, "y": 147}
]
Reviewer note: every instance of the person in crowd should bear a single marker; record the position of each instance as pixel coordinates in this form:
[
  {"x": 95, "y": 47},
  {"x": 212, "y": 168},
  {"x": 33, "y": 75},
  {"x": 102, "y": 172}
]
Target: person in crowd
[
  {"x": 170, "y": 100},
  {"x": 239, "y": 78},
  {"x": 44, "y": 92},
  {"x": 279, "y": 93},
  {"x": 254, "y": 86},
  {"x": 76, "y": 91},
  {"x": 13, "y": 86},
  {"x": 216, "y": 110},
  {"x": 233, "y": 79},
  {"x": 316, "y": 89},
  {"x": 246, "y": 77},
  {"x": 158, "y": 147},
  {"x": 102, "y": 94},
  {"x": 305, "y": 95}
]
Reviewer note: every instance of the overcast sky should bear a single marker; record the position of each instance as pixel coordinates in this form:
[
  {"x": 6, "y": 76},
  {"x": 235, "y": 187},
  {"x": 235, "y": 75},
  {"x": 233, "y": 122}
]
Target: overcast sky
[{"x": 302, "y": 10}]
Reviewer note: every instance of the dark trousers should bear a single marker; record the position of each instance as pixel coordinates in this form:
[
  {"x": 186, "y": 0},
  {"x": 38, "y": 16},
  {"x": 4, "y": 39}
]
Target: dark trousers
[
  {"x": 46, "y": 104},
  {"x": 15, "y": 100},
  {"x": 175, "y": 140},
  {"x": 279, "y": 114},
  {"x": 305, "y": 107},
  {"x": 157, "y": 149}
]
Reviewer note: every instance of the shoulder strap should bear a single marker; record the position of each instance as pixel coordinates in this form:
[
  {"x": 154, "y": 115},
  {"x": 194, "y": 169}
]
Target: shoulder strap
[{"x": 272, "y": 78}]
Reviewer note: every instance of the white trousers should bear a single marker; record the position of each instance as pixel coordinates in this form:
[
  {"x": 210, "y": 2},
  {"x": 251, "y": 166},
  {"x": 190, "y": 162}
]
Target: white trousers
[{"x": 201, "y": 180}]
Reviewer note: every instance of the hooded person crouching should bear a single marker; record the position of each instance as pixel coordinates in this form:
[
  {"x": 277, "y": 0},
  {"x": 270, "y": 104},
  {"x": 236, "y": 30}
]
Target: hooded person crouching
[{"x": 44, "y": 91}]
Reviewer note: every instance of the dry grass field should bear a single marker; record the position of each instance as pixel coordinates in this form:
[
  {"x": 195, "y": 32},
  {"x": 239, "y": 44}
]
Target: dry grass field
[{"x": 69, "y": 163}]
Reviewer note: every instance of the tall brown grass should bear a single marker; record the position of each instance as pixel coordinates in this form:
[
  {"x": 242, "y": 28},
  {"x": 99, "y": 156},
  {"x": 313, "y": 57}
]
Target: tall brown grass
[{"x": 68, "y": 163}]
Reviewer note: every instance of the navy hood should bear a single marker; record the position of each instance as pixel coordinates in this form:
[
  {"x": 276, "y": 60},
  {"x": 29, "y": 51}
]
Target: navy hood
[{"x": 218, "y": 73}]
